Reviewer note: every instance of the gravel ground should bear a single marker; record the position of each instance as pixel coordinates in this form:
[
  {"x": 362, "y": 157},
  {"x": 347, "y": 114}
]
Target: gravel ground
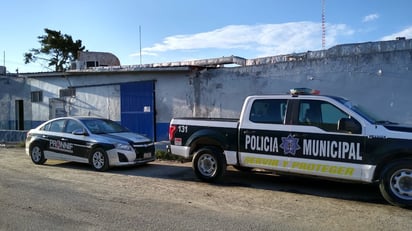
[{"x": 166, "y": 195}]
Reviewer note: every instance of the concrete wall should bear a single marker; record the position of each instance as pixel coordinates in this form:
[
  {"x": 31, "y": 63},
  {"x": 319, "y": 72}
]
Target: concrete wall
[
  {"x": 13, "y": 88},
  {"x": 375, "y": 75},
  {"x": 378, "y": 76},
  {"x": 12, "y": 136},
  {"x": 98, "y": 94}
]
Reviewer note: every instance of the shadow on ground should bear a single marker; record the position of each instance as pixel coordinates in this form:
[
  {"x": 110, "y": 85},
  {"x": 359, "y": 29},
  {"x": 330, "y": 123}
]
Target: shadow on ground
[{"x": 255, "y": 179}]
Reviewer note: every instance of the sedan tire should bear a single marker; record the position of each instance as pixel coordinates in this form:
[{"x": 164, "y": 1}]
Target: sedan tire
[
  {"x": 36, "y": 154},
  {"x": 99, "y": 160}
]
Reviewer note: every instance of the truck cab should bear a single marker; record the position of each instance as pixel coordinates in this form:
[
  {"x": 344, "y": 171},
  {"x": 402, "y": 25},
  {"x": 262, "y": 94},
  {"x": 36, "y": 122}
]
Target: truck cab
[{"x": 304, "y": 134}]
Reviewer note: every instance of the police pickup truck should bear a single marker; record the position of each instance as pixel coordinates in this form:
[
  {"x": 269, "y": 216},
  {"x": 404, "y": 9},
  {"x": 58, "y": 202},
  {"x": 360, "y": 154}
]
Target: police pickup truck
[{"x": 301, "y": 133}]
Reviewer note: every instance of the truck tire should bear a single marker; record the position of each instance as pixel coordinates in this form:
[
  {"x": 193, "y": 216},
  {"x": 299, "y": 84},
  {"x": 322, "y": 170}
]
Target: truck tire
[
  {"x": 209, "y": 164},
  {"x": 396, "y": 183}
]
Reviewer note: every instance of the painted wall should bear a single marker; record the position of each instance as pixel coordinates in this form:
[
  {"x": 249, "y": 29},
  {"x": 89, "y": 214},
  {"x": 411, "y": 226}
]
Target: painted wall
[
  {"x": 13, "y": 88},
  {"x": 375, "y": 75},
  {"x": 99, "y": 95}
]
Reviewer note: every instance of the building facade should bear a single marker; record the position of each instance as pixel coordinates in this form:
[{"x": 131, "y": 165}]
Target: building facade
[{"x": 377, "y": 75}]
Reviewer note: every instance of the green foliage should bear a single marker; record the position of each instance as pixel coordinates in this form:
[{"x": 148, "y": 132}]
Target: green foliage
[
  {"x": 21, "y": 144},
  {"x": 163, "y": 155},
  {"x": 56, "y": 49}
]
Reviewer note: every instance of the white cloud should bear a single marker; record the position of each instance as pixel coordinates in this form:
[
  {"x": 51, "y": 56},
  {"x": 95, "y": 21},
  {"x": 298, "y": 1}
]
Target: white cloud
[
  {"x": 371, "y": 17},
  {"x": 263, "y": 40},
  {"x": 407, "y": 33}
]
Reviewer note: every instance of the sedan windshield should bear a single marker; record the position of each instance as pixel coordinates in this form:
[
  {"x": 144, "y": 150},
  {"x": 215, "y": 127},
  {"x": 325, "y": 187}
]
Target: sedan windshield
[{"x": 101, "y": 126}]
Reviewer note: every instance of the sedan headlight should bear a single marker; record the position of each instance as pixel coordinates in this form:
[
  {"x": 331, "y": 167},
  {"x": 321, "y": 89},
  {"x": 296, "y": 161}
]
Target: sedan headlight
[{"x": 125, "y": 147}]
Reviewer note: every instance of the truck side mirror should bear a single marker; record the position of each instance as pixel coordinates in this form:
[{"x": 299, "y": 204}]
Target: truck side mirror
[{"x": 349, "y": 125}]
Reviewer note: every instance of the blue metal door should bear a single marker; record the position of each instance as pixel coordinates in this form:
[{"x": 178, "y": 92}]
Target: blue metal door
[{"x": 137, "y": 107}]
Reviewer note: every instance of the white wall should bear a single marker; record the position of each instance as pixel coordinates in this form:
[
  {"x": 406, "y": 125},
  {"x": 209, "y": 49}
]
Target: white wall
[
  {"x": 381, "y": 81},
  {"x": 99, "y": 94},
  {"x": 376, "y": 75}
]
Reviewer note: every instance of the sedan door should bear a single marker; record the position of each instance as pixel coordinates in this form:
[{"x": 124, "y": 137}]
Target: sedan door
[
  {"x": 76, "y": 136},
  {"x": 56, "y": 143}
]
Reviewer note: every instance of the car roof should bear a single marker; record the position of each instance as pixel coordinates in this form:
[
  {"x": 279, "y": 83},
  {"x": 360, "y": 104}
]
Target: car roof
[
  {"x": 302, "y": 96},
  {"x": 79, "y": 117}
]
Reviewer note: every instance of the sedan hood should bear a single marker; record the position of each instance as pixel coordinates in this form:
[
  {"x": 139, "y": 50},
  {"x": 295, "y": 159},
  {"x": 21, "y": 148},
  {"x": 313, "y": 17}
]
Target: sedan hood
[{"x": 129, "y": 137}]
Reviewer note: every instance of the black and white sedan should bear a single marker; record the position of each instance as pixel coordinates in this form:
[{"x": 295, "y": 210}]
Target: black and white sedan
[{"x": 100, "y": 142}]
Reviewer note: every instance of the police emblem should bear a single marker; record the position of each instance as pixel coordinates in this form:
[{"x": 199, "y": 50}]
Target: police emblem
[{"x": 290, "y": 145}]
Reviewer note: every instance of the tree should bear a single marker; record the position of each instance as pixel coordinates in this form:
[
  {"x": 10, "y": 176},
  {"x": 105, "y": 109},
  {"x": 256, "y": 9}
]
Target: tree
[{"x": 56, "y": 48}]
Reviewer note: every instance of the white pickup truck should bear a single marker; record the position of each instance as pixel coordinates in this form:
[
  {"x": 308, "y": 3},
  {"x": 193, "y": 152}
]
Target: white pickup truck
[{"x": 301, "y": 133}]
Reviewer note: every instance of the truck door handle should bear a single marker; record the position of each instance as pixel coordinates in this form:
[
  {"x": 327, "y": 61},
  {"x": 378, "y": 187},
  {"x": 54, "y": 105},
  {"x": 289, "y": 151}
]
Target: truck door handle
[
  {"x": 64, "y": 139},
  {"x": 249, "y": 132}
]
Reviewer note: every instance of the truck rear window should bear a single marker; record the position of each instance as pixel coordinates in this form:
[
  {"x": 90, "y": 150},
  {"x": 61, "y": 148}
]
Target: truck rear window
[{"x": 271, "y": 111}]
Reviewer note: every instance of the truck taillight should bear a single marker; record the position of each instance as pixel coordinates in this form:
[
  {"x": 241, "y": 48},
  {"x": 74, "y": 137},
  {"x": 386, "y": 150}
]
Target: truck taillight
[{"x": 172, "y": 130}]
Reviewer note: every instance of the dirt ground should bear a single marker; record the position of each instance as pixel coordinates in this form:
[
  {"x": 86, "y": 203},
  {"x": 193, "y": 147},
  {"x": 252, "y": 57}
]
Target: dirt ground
[{"x": 170, "y": 190}]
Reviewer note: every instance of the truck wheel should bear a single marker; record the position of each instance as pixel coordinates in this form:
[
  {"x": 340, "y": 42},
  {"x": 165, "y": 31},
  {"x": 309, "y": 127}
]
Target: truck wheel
[
  {"x": 396, "y": 183},
  {"x": 209, "y": 164}
]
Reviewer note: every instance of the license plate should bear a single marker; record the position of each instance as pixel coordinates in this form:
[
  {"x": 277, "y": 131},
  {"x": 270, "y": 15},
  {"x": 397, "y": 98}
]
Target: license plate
[{"x": 147, "y": 155}]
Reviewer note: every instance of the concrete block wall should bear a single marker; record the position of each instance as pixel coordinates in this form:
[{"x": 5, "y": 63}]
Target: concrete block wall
[
  {"x": 98, "y": 94},
  {"x": 378, "y": 76},
  {"x": 13, "y": 88},
  {"x": 11, "y": 136}
]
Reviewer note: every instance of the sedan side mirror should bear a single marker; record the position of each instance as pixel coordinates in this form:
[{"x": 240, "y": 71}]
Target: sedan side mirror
[
  {"x": 349, "y": 125},
  {"x": 80, "y": 132}
]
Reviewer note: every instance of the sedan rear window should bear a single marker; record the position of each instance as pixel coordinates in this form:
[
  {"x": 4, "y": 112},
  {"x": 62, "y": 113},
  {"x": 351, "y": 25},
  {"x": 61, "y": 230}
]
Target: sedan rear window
[{"x": 54, "y": 126}]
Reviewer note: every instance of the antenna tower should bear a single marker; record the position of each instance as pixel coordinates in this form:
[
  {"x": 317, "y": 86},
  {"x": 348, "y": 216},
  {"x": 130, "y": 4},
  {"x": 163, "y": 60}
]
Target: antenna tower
[{"x": 323, "y": 25}]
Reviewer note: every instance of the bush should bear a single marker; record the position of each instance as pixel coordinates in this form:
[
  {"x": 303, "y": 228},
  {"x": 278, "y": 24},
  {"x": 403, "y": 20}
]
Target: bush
[{"x": 163, "y": 155}]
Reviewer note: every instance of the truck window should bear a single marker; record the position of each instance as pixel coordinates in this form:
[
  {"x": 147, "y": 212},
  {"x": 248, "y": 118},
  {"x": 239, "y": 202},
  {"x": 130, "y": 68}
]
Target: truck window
[
  {"x": 320, "y": 114},
  {"x": 271, "y": 111}
]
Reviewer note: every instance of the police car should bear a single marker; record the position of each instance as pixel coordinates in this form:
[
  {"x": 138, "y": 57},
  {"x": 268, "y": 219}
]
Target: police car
[
  {"x": 301, "y": 133},
  {"x": 102, "y": 143}
]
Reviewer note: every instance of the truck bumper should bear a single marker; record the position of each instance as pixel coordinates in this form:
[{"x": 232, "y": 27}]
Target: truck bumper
[{"x": 182, "y": 151}]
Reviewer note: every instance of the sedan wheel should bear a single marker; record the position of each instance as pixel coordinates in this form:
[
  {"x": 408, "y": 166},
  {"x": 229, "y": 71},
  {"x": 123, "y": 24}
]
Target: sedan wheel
[
  {"x": 99, "y": 160},
  {"x": 37, "y": 155}
]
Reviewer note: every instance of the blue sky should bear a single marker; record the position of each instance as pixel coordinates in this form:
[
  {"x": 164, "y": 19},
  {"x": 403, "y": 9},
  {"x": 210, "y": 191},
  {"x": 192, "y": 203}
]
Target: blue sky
[{"x": 180, "y": 30}]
